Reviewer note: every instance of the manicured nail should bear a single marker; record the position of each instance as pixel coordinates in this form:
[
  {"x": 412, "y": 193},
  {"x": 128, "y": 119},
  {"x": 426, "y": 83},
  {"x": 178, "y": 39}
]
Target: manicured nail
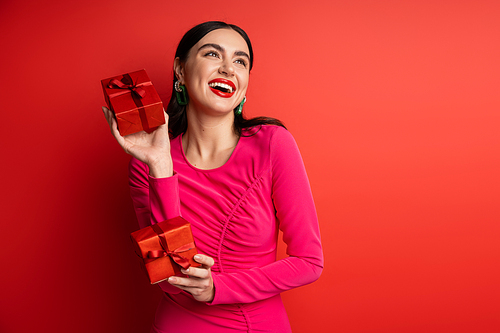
[
  {"x": 171, "y": 279},
  {"x": 185, "y": 270},
  {"x": 197, "y": 257}
]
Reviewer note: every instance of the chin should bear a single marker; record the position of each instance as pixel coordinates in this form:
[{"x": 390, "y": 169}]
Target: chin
[{"x": 221, "y": 109}]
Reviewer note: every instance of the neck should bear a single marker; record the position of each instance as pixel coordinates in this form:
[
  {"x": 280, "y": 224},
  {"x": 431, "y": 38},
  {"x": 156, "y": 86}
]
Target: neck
[{"x": 209, "y": 140}]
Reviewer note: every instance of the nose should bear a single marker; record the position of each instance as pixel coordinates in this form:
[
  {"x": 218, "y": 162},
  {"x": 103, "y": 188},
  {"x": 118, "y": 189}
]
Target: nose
[{"x": 226, "y": 68}]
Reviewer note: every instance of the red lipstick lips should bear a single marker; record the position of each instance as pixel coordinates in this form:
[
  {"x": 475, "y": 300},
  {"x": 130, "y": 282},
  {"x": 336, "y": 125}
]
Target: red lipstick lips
[{"x": 222, "y": 87}]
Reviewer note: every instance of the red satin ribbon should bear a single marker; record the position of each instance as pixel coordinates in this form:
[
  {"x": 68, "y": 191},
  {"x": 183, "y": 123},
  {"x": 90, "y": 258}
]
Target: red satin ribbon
[
  {"x": 134, "y": 88},
  {"x": 175, "y": 254},
  {"x": 180, "y": 260},
  {"x": 117, "y": 84}
]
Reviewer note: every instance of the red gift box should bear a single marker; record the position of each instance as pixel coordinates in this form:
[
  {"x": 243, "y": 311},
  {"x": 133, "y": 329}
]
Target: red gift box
[
  {"x": 164, "y": 248},
  {"x": 135, "y": 102}
]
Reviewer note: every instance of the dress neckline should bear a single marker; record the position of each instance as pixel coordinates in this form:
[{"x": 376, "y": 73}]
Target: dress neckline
[{"x": 179, "y": 139}]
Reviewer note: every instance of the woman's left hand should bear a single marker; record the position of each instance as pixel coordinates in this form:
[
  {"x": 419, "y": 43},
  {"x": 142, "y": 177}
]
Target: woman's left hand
[{"x": 200, "y": 283}]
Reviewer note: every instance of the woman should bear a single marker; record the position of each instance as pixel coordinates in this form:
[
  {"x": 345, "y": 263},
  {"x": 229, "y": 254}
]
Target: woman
[{"x": 237, "y": 181}]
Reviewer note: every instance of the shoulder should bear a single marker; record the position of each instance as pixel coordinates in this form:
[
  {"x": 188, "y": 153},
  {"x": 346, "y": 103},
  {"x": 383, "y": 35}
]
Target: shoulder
[
  {"x": 267, "y": 133},
  {"x": 278, "y": 137},
  {"x": 271, "y": 142}
]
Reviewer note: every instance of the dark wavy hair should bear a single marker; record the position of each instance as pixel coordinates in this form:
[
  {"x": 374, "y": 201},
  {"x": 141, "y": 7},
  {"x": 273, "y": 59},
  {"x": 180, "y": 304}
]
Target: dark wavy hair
[{"x": 177, "y": 123}]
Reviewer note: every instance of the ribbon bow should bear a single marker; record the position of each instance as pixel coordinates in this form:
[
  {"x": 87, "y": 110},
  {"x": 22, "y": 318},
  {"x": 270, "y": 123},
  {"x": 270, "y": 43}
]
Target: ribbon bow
[
  {"x": 174, "y": 254},
  {"x": 135, "y": 88}
]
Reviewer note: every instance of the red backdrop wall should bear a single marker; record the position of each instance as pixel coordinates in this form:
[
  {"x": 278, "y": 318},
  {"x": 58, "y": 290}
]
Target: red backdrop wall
[{"x": 394, "y": 105}]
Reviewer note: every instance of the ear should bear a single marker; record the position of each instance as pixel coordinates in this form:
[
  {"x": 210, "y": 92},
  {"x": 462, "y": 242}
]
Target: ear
[{"x": 179, "y": 70}]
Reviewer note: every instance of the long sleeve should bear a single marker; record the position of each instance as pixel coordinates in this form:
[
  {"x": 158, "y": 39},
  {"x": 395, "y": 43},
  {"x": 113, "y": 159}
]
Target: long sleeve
[
  {"x": 296, "y": 213},
  {"x": 155, "y": 200}
]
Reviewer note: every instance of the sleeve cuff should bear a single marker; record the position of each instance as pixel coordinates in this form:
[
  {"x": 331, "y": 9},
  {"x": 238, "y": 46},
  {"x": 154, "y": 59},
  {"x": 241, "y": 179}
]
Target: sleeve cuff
[
  {"x": 218, "y": 291},
  {"x": 164, "y": 198}
]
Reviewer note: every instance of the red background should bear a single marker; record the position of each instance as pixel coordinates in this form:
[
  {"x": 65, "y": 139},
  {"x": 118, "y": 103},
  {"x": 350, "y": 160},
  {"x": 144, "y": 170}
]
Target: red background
[{"x": 394, "y": 105}]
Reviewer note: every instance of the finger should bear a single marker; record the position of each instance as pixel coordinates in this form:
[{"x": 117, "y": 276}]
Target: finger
[
  {"x": 109, "y": 116},
  {"x": 201, "y": 273},
  {"x": 201, "y": 289},
  {"x": 106, "y": 112},
  {"x": 176, "y": 282},
  {"x": 113, "y": 125},
  {"x": 165, "y": 125},
  {"x": 189, "y": 283},
  {"x": 204, "y": 260}
]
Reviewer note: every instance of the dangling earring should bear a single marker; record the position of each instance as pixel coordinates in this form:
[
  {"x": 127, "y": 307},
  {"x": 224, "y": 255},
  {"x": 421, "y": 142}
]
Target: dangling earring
[
  {"x": 240, "y": 107},
  {"x": 180, "y": 93}
]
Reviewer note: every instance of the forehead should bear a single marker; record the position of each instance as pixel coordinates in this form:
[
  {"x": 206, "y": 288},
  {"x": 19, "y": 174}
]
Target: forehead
[{"x": 229, "y": 39}]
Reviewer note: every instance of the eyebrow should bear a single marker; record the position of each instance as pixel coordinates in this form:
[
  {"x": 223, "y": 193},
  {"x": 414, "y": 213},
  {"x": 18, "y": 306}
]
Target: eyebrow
[{"x": 222, "y": 50}]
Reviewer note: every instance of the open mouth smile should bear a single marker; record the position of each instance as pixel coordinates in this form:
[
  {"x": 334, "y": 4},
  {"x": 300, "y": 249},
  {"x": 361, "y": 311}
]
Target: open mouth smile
[{"x": 222, "y": 87}]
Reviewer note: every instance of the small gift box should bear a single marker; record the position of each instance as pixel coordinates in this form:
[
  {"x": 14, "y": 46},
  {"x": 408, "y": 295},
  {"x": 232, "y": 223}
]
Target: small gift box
[
  {"x": 165, "y": 247},
  {"x": 135, "y": 102}
]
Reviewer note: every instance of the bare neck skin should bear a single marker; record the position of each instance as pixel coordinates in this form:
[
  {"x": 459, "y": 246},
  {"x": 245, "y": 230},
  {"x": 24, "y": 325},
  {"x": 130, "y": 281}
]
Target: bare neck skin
[{"x": 209, "y": 140}]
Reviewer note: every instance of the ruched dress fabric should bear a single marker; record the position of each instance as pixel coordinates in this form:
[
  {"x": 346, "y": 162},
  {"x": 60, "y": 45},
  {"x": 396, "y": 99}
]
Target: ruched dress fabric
[{"x": 236, "y": 212}]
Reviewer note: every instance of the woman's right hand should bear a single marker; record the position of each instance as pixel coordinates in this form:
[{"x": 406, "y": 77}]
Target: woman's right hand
[{"x": 151, "y": 148}]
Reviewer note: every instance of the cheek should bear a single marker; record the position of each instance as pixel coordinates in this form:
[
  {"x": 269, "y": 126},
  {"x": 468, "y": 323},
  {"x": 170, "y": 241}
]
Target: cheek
[
  {"x": 194, "y": 71},
  {"x": 244, "y": 85}
]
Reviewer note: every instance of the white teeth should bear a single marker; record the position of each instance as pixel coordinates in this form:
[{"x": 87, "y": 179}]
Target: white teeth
[{"x": 222, "y": 85}]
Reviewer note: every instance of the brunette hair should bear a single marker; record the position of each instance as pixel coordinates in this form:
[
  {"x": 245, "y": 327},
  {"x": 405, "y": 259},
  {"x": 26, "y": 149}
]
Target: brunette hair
[{"x": 177, "y": 123}]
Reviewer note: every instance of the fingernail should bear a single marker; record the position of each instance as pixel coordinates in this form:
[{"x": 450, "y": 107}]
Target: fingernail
[
  {"x": 197, "y": 257},
  {"x": 184, "y": 270},
  {"x": 103, "y": 109},
  {"x": 171, "y": 279}
]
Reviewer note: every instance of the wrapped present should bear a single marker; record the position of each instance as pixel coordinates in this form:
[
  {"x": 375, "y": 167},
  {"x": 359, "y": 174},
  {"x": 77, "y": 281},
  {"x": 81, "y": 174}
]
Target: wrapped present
[
  {"x": 134, "y": 101},
  {"x": 164, "y": 248}
]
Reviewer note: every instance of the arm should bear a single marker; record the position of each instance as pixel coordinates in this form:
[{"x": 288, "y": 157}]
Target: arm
[
  {"x": 296, "y": 213},
  {"x": 154, "y": 199},
  {"x": 150, "y": 172},
  {"x": 148, "y": 206}
]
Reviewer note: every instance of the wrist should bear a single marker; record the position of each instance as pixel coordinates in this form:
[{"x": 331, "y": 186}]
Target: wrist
[{"x": 161, "y": 169}]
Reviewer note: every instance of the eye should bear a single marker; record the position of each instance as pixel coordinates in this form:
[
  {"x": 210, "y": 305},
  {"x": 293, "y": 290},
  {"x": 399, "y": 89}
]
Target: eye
[
  {"x": 241, "y": 62},
  {"x": 212, "y": 54}
]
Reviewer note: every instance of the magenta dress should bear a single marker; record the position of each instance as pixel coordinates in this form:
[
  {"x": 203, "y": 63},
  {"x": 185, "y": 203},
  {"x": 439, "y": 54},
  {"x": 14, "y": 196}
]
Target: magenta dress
[{"x": 236, "y": 212}]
